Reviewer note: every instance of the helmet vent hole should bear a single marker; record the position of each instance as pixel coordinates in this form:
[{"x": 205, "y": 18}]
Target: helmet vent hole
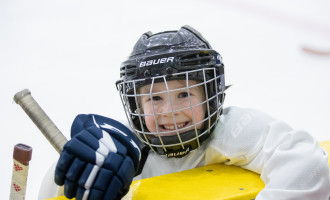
[
  {"x": 127, "y": 70},
  {"x": 196, "y": 59}
]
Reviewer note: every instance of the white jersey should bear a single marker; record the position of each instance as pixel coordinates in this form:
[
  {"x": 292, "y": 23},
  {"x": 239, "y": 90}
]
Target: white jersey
[{"x": 291, "y": 163}]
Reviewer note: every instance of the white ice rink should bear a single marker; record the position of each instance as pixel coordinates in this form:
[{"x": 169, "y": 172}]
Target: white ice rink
[{"x": 68, "y": 53}]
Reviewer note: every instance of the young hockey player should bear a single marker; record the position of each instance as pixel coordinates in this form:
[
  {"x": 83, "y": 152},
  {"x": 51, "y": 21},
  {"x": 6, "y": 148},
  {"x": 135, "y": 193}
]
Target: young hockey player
[{"x": 172, "y": 88}]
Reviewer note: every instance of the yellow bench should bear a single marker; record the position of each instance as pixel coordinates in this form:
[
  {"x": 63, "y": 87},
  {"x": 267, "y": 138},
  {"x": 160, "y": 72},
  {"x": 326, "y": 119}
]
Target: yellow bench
[{"x": 216, "y": 181}]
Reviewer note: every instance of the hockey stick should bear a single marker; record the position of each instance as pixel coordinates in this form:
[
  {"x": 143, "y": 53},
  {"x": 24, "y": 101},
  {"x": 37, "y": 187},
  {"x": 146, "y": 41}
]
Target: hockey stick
[
  {"x": 21, "y": 156},
  {"x": 316, "y": 51},
  {"x": 40, "y": 119}
]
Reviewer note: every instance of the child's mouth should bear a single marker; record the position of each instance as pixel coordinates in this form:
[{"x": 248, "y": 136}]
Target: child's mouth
[{"x": 171, "y": 127}]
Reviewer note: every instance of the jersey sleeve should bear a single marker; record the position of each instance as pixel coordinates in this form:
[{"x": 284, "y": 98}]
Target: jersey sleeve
[
  {"x": 292, "y": 165},
  {"x": 290, "y": 162}
]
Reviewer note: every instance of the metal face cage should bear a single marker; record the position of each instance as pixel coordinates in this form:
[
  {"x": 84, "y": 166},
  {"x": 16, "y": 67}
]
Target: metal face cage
[{"x": 178, "y": 137}]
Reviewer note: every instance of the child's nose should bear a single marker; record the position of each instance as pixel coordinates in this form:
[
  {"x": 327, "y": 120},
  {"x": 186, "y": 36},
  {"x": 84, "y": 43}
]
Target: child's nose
[
  {"x": 169, "y": 107},
  {"x": 166, "y": 108}
]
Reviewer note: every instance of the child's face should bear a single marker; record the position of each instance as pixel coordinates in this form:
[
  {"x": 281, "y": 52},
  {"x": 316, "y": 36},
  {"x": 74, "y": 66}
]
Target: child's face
[{"x": 184, "y": 115}]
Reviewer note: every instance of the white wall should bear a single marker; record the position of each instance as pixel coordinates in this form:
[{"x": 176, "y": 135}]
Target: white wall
[{"x": 68, "y": 54}]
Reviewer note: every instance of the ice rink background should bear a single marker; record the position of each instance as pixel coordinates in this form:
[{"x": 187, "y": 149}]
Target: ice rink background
[{"x": 68, "y": 54}]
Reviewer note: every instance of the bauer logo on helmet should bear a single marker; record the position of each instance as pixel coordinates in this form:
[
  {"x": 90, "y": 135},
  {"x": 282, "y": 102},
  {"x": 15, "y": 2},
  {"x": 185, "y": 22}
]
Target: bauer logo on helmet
[{"x": 156, "y": 61}]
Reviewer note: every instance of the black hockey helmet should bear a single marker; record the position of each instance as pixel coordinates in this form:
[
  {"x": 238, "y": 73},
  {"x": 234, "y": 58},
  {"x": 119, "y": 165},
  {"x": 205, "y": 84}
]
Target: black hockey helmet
[{"x": 172, "y": 55}]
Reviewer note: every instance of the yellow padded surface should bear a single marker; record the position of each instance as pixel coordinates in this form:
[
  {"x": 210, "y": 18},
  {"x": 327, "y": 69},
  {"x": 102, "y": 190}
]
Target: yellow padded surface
[
  {"x": 60, "y": 198},
  {"x": 216, "y": 181},
  {"x": 326, "y": 146},
  {"x": 210, "y": 182}
]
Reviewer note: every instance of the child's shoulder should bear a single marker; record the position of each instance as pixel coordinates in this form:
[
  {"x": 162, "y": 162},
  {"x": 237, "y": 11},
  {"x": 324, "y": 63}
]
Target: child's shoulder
[
  {"x": 240, "y": 113},
  {"x": 236, "y": 122},
  {"x": 240, "y": 130}
]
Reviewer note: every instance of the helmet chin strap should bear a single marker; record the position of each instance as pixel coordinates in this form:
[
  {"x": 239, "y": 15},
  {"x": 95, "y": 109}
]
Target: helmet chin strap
[{"x": 176, "y": 151}]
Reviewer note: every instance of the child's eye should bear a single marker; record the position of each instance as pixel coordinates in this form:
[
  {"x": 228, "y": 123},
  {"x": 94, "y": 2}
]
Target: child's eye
[
  {"x": 183, "y": 94},
  {"x": 156, "y": 98}
]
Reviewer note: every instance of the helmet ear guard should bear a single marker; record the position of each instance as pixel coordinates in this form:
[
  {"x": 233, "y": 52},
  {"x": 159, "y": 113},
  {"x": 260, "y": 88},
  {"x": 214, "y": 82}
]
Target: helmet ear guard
[{"x": 167, "y": 56}]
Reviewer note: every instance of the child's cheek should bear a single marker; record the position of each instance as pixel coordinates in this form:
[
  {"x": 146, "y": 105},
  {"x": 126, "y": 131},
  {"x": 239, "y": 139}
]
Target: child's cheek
[
  {"x": 199, "y": 113},
  {"x": 150, "y": 123},
  {"x": 149, "y": 120}
]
